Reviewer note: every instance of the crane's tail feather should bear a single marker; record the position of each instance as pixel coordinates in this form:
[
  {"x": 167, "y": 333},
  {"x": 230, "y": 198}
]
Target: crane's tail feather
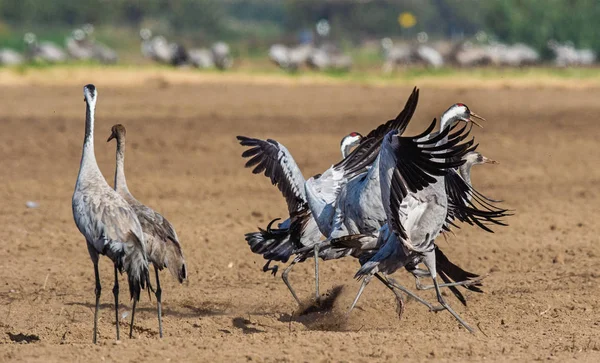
[
  {"x": 455, "y": 272},
  {"x": 369, "y": 268},
  {"x": 272, "y": 244},
  {"x": 135, "y": 263},
  {"x": 176, "y": 262}
]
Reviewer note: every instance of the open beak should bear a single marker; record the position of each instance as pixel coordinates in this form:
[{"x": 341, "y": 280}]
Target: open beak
[
  {"x": 474, "y": 115},
  {"x": 489, "y": 161},
  {"x": 112, "y": 136}
]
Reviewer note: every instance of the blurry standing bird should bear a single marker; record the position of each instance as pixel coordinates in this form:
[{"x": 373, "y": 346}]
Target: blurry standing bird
[
  {"x": 221, "y": 55},
  {"x": 108, "y": 223},
  {"x": 45, "y": 51},
  {"x": 9, "y": 57},
  {"x": 162, "y": 243}
]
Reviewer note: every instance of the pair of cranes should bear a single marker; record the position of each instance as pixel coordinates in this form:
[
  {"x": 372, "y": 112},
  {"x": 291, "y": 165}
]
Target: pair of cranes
[
  {"x": 117, "y": 225},
  {"x": 385, "y": 204}
]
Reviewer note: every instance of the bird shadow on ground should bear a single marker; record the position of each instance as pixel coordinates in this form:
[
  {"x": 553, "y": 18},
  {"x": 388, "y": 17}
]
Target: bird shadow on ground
[
  {"x": 23, "y": 338},
  {"x": 320, "y": 315},
  {"x": 244, "y": 324},
  {"x": 193, "y": 311}
]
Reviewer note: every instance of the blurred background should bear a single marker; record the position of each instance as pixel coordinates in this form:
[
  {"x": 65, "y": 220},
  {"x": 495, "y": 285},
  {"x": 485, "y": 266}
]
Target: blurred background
[{"x": 331, "y": 36}]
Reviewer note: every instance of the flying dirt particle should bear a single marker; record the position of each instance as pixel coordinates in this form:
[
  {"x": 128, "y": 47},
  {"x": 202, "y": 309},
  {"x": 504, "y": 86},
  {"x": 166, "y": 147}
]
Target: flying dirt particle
[
  {"x": 579, "y": 224},
  {"x": 560, "y": 258},
  {"x": 256, "y": 214},
  {"x": 552, "y": 227},
  {"x": 32, "y": 204}
]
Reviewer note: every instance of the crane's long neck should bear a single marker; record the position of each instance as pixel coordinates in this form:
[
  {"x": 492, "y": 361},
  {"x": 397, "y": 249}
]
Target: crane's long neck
[
  {"x": 120, "y": 181},
  {"x": 465, "y": 172},
  {"x": 88, "y": 157},
  {"x": 447, "y": 120}
]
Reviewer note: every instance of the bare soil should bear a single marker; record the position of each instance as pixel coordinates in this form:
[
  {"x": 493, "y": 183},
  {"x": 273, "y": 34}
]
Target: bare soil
[{"x": 542, "y": 284}]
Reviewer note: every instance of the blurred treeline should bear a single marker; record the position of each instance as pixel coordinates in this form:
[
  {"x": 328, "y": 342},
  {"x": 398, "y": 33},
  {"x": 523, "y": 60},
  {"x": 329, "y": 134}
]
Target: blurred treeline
[{"x": 257, "y": 23}]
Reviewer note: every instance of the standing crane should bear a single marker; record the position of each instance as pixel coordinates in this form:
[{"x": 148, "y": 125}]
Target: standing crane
[{"x": 108, "y": 223}]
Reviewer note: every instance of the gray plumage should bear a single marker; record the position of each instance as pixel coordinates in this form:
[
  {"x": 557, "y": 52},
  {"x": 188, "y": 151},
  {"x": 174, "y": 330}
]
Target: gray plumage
[
  {"x": 10, "y": 57},
  {"x": 162, "y": 243},
  {"x": 416, "y": 204},
  {"x": 45, "y": 51},
  {"x": 106, "y": 220}
]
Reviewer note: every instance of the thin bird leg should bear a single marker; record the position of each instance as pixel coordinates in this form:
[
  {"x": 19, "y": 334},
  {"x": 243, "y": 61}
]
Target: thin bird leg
[
  {"x": 132, "y": 317},
  {"x": 459, "y": 283},
  {"x": 395, "y": 284},
  {"x": 316, "y": 256},
  {"x": 116, "y": 294},
  {"x": 399, "y": 299},
  {"x": 98, "y": 291},
  {"x": 284, "y": 277},
  {"x": 417, "y": 273},
  {"x": 158, "y": 294},
  {"x": 447, "y": 307},
  {"x": 360, "y": 291}
]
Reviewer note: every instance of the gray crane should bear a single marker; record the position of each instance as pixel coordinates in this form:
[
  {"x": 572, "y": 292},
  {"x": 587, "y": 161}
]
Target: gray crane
[
  {"x": 162, "y": 243},
  {"x": 415, "y": 202},
  {"x": 290, "y": 58},
  {"x": 160, "y": 50},
  {"x": 278, "y": 244},
  {"x": 10, "y": 57},
  {"x": 77, "y": 45},
  {"x": 221, "y": 55},
  {"x": 45, "y": 51},
  {"x": 108, "y": 223}
]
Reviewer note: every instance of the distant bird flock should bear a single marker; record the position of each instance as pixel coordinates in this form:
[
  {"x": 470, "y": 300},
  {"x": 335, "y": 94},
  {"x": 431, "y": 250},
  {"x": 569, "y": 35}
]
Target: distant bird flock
[
  {"x": 322, "y": 55},
  {"x": 385, "y": 204}
]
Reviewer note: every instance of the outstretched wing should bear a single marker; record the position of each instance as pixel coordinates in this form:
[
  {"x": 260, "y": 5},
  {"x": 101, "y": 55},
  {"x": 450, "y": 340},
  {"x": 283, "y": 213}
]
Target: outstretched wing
[
  {"x": 467, "y": 205},
  {"x": 277, "y": 163},
  {"x": 415, "y": 162},
  {"x": 366, "y": 152}
]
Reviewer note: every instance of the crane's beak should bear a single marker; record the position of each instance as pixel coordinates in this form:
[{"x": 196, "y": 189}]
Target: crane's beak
[
  {"x": 489, "y": 161},
  {"x": 474, "y": 115},
  {"x": 112, "y": 136}
]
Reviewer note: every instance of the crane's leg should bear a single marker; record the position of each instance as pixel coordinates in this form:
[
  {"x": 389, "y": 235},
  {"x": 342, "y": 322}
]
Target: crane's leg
[
  {"x": 449, "y": 284},
  {"x": 399, "y": 299},
  {"x": 132, "y": 317},
  {"x": 360, "y": 291},
  {"x": 284, "y": 277},
  {"x": 417, "y": 273},
  {"x": 98, "y": 292},
  {"x": 316, "y": 257},
  {"x": 116, "y": 294},
  {"x": 395, "y": 284},
  {"x": 158, "y": 294},
  {"x": 429, "y": 261}
]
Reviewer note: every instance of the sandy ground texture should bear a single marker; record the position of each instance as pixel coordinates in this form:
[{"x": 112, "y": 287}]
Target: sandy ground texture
[{"x": 542, "y": 284}]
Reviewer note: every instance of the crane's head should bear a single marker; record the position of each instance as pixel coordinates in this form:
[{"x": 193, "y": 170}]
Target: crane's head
[
  {"x": 475, "y": 158},
  {"x": 88, "y": 29},
  {"x": 145, "y": 34},
  {"x": 118, "y": 131},
  {"x": 348, "y": 142},
  {"x": 90, "y": 94},
  {"x": 78, "y": 35},
  {"x": 29, "y": 38},
  {"x": 460, "y": 112}
]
